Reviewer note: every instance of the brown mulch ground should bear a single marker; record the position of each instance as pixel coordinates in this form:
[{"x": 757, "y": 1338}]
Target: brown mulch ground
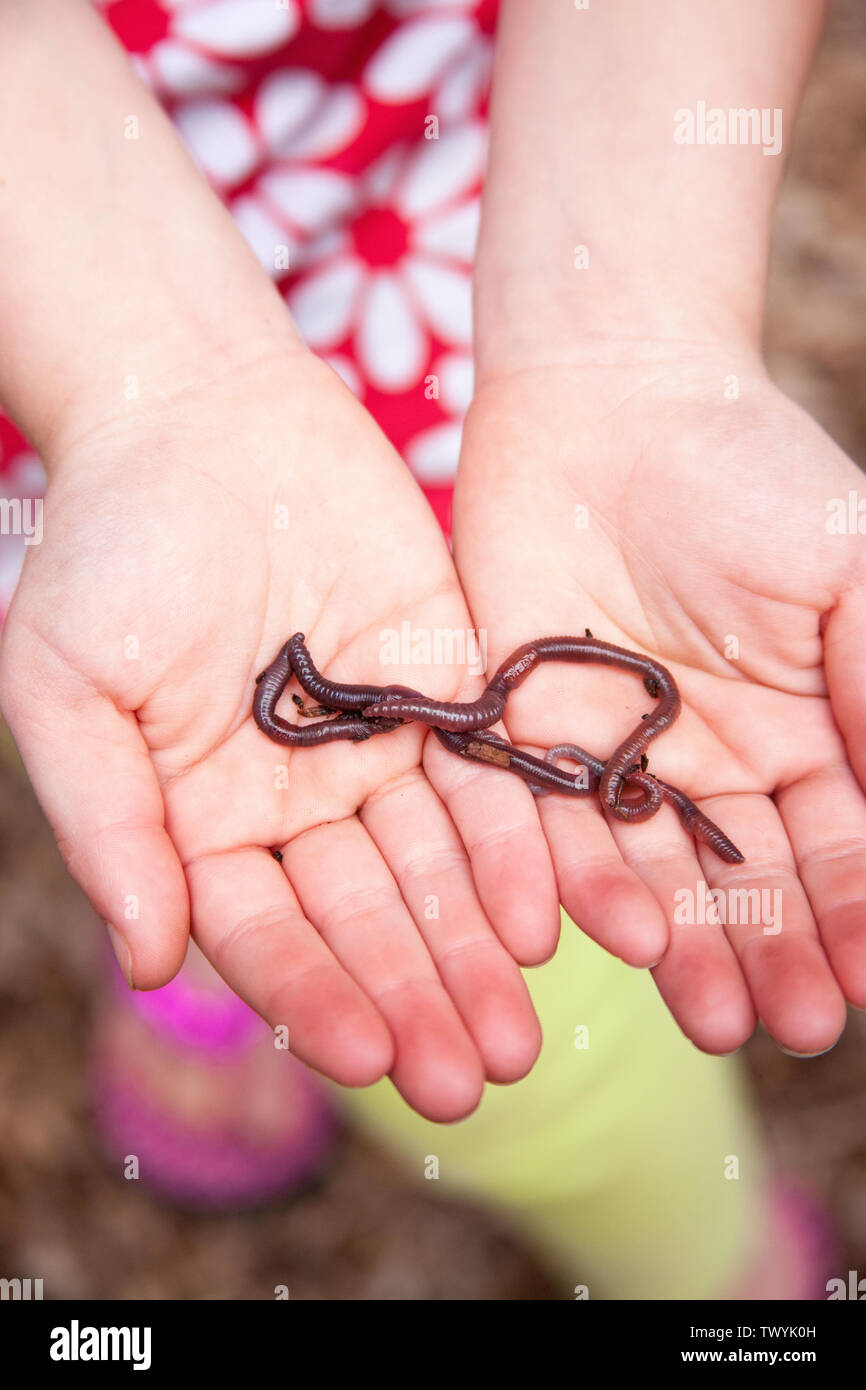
[{"x": 365, "y": 1232}]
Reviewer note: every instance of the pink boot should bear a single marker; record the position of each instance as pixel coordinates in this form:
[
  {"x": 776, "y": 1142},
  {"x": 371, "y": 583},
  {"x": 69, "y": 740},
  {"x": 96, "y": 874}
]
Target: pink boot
[{"x": 186, "y": 1080}]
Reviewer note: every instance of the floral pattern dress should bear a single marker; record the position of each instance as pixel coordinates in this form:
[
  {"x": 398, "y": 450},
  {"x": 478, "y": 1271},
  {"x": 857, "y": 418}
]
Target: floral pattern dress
[{"x": 348, "y": 140}]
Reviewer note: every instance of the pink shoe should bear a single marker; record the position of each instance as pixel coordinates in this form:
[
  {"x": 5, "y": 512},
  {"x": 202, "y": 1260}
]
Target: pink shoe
[
  {"x": 204, "y": 1160},
  {"x": 799, "y": 1251},
  {"x": 802, "y": 1213}
]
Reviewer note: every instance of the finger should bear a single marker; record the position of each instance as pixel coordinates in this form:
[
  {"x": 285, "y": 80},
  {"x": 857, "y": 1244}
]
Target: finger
[
  {"x": 700, "y": 978},
  {"x": 249, "y": 924},
  {"x": 347, "y": 891},
  {"x": 599, "y": 891},
  {"x": 825, "y": 818},
  {"x": 511, "y": 864},
  {"x": 770, "y": 925},
  {"x": 92, "y": 772},
  {"x": 845, "y": 666},
  {"x": 420, "y": 845}
]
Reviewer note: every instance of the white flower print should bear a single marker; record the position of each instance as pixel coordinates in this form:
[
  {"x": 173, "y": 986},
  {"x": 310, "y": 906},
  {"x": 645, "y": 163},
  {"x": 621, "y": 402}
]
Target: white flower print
[{"x": 400, "y": 276}]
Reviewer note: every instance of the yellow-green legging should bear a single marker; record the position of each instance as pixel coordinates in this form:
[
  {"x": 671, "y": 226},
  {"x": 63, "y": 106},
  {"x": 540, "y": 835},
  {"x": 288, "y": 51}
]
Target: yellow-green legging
[{"x": 628, "y": 1158}]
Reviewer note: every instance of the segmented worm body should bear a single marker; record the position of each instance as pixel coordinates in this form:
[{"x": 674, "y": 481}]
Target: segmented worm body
[
  {"x": 543, "y": 777},
  {"x": 270, "y": 685},
  {"x": 333, "y": 696},
  {"x": 363, "y": 711},
  {"x": 481, "y": 713}
]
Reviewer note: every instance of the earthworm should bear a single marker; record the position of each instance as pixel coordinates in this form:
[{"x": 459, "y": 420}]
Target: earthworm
[
  {"x": 333, "y": 695},
  {"x": 270, "y": 685},
  {"x": 383, "y": 708},
  {"x": 543, "y": 776},
  {"x": 481, "y": 713}
]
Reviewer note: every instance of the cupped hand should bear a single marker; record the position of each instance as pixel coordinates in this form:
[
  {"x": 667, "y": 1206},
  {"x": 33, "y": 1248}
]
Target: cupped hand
[
  {"x": 679, "y": 504},
  {"x": 181, "y": 547}
]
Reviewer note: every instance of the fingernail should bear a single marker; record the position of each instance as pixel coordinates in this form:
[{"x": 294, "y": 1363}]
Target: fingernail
[
  {"x": 802, "y": 1055},
  {"x": 122, "y": 952}
]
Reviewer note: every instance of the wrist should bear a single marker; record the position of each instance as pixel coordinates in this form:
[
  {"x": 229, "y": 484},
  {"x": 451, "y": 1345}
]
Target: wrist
[
  {"x": 130, "y": 380},
  {"x": 615, "y": 352},
  {"x": 594, "y": 316},
  {"x": 605, "y": 217},
  {"x": 150, "y": 309}
]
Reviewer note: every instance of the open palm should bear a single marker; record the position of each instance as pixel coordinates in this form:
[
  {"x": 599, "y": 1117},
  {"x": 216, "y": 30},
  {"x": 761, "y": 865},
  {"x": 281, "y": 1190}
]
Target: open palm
[
  {"x": 180, "y": 551},
  {"x": 681, "y": 508}
]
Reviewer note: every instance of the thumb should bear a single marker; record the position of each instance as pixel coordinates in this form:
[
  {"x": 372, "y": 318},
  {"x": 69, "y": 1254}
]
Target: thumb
[{"x": 90, "y": 768}]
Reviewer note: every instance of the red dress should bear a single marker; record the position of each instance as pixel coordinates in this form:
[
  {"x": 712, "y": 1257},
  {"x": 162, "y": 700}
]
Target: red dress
[{"x": 347, "y": 138}]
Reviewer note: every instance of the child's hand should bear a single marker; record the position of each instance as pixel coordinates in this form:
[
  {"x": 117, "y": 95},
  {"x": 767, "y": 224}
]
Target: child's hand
[
  {"x": 638, "y": 501},
  {"x": 179, "y": 553}
]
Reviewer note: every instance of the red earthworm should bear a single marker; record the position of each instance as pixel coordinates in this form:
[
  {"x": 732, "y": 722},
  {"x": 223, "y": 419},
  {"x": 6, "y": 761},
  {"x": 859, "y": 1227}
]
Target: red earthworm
[
  {"x": 333, "y": 695},
  {"x": 379, "y": 708},
  {"x": 270, "y": 685},
  {"x": 543, "y": 776},
  {"x": 484, "y": 747},
  {"x": 691, "y": 816},
  {"x": 481, "y": 713}
]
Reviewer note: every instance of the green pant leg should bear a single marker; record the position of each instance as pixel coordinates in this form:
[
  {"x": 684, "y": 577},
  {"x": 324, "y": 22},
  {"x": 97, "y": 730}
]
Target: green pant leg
[{"x": 628, "y": 1157}]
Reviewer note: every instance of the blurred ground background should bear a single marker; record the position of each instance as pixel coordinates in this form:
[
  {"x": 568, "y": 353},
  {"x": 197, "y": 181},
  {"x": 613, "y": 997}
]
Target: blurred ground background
[{"x": 365, "y": 1232}]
